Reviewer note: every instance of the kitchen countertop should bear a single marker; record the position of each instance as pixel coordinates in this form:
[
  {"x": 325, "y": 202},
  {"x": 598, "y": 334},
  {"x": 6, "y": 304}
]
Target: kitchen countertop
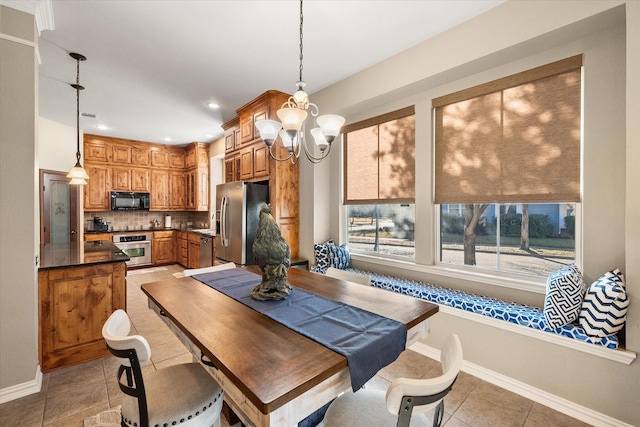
[
  {"x": 59, "y": 255},
  {"x": 203, "y": 231}
]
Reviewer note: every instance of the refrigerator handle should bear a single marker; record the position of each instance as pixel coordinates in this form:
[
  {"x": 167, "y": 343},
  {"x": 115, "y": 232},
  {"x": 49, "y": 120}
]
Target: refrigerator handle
[{"x": 223, "y": 209}]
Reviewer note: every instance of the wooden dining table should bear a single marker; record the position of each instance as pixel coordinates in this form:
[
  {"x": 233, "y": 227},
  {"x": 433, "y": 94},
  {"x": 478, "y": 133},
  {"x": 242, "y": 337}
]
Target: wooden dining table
[{"x": 272, "y": 375}]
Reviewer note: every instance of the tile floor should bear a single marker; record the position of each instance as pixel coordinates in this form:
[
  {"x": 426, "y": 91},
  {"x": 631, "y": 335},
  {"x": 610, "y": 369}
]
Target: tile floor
[{"x": 71, "y": 394}]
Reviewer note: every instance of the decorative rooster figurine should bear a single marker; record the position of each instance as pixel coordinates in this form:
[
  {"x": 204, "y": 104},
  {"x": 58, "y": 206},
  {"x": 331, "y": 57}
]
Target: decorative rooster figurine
[{"x": 273, "y": 256}]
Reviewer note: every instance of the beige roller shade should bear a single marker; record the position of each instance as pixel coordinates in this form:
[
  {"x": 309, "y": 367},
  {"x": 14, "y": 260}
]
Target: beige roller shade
[
  {"x": 516, "y": 139},
  {"x": 380, "y": 159}
]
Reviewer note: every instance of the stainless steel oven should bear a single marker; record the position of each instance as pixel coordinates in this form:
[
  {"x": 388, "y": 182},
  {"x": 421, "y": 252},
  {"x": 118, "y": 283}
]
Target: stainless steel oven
[{"x": 137, "y": 247}]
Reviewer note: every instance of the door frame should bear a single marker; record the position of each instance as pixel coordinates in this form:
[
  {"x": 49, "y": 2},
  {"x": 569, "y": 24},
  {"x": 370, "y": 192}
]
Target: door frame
[{"x": 74, "y": 201}]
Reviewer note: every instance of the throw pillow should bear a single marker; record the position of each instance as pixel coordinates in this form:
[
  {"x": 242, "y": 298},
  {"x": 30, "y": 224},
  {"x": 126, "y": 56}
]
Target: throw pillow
[
  {"x": 321, "y": 255},
  {"x": 339, "y": 256},
  {"x": 605, "y": 305},
  {"x": 565, "y": 293}
]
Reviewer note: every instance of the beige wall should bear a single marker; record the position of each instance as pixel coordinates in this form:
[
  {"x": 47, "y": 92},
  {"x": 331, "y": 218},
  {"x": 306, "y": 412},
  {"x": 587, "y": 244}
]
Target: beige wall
[
  {"x": 57, "y": 145},
  {"x": 18, "y": 176},
  {"x": 513, "y": 37}
]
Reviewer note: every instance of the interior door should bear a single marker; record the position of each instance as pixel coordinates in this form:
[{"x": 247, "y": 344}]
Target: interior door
[{"x": 59, "y": 210}]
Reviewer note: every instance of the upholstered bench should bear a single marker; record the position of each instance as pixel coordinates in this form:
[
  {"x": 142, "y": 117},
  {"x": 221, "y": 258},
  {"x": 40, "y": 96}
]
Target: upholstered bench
[{"x": 524, "y": 315}]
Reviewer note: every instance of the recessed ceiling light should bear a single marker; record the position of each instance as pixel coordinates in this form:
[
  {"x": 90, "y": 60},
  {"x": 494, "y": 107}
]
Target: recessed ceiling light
[
  {"x": 209, "y": 135},
  {"x": 102, "y": 127},
  {"x": 213, "y": 105},
  {"x": 167, "y": 139}
]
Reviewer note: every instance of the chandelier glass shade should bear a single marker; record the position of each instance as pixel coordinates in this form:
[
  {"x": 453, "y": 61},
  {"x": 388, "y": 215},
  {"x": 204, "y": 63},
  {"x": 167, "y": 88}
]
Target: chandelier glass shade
[
  {"x": 291, "y": 127},
  {"x": 77, "y": 174}
]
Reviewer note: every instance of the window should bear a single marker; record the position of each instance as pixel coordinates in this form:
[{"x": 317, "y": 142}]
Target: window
[
  {"x": 379, "y": 184},
  {"x": 507, "y": 170},
  {"x": 546, "y": 243}
]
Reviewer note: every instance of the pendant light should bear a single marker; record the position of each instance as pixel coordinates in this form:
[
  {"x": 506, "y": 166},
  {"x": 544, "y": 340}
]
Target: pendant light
[
  {"x": 78, "y": 175},
  {"x": 291, "y": 127}
]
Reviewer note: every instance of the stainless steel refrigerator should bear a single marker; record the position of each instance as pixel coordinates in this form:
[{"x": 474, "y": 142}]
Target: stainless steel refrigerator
[{"x": 237, "y": 215}]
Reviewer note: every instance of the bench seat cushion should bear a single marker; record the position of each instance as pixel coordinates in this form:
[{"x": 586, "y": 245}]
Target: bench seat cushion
[{"x": 524, "y": 315}]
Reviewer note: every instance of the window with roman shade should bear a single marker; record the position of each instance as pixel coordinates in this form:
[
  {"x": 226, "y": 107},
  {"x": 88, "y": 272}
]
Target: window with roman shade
[
  {"x": 379, "y": 159},
  {"x": 515, "y": 139}
]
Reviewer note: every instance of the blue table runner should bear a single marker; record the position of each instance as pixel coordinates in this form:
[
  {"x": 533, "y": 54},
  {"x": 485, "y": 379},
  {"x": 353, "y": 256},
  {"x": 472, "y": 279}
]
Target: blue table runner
[{"x": 368, "y": 341}]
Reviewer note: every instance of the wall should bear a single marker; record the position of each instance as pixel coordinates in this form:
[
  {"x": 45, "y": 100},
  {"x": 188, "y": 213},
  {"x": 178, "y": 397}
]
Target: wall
[
  {"x": 57, "y": 145},
  {"x": 513, "y": 37},
  {"x": 18, "y": 177}
]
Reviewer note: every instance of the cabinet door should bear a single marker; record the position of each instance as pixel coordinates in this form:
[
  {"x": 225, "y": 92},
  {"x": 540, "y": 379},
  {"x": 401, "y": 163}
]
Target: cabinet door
[
  {"x": 190, "y": 157},
  {"x": 162, "y": 250},
  {"x": 121, "y": 179},
  {"x": 121, "y": 154},
  {"x": 176, "y": 159},
  {"x": 246, "y": 129},
  {"x": 194, "y": 254},
  {"x": 230, "y": 140},
  {"x": 140, "y": 180},
  {"x": 202, "y": 199},
  {"x": 176, "y": 190},
  {"x": 261, "y": 161},
  {"x": 246, "y": 164},
  {"x": 159, "y": 190},
  {"x": 190, "y": 189},
  {"x": 139, "y": 155},
  {"x": 96, "y": 192},
  {"x": 159, "y": 157},
  {"x": 229, "y": 164},
  {"x": 95, "y": 150}
]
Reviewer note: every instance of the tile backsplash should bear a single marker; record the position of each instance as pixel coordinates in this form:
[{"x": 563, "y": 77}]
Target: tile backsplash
[{"x": 139, "y": 220}]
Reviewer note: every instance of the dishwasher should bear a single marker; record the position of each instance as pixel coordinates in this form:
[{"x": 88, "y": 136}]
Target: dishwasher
[{"x": 206, "y": 251}]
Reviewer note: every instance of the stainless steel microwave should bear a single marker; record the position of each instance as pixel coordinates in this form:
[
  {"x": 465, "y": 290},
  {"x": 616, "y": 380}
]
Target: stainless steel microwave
[{"x": 129, "y": 201}]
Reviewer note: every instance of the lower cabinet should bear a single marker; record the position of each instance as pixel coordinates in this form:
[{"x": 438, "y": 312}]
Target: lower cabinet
[
  {"x": 162, "y": 247},
  {"x": 182, "y": 252},
  {"x": 194, "y": 250},
  {"x": 73, "y": 304}
]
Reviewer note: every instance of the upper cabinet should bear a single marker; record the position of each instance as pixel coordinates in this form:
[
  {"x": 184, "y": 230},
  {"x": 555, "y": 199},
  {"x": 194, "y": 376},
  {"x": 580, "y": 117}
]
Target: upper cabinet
[
  {"x": 247, "y": 158},
  {"x": 176, "y": 177}
]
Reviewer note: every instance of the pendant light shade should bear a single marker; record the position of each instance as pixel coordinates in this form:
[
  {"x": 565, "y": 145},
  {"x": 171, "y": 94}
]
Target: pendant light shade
[
  {"x": 77, "y": 174},
  {"x": 293, "y": 115}
]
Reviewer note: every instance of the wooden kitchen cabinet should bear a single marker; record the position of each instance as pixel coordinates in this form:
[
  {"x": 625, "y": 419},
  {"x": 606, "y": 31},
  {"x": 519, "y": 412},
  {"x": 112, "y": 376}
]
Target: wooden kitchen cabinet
[
  {"x": 246, "y": 164},
  {"x": 121, "y": 154},
  {"x": 159, "y": 157},
  {"x": 177, "y": 190},
  {"x": 74, "y": 303},
  {"x": 129, "y": 179},
  {"x": 177, "y": 159},
  {"x": 97, "y": 191},
  {"x": 140, "y": 155},
  {"x": 95, "y": 149},
  {"x": 193, "y": 242},
  {"x": 162, "y": 247},
  {"x": 91, "y": 237},
  {"x": 232, "y": 168},
  {"x": 159, "y": 190},
  {"x": 182, "y": 248}
]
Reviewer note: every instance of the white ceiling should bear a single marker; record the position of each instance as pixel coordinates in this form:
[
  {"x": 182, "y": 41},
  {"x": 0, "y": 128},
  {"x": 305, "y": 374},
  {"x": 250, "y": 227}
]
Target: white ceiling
[{"x": 152, "y": 66}]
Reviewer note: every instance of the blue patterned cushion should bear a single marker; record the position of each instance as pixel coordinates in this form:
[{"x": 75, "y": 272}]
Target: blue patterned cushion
[
  {"x": 565, "y": 293},
  {"x": 339, "y": 256},
  {"x": 519, "y": 314},
  {"x": 322, "y": 254},
  {"x": 605, "y": 305}
]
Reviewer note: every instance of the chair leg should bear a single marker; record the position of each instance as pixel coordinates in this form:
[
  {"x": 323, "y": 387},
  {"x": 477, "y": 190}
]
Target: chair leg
[{"x": 438, "y": 414}]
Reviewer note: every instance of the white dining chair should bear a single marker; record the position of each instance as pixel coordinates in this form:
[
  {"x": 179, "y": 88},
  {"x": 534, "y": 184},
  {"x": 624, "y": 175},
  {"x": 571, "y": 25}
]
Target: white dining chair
[
  {"x": 362, "y": 279},
  {"x": 403, "y": 398},
  {"x": 194, "y": 271},
  {"x": 183, "y": 394}
]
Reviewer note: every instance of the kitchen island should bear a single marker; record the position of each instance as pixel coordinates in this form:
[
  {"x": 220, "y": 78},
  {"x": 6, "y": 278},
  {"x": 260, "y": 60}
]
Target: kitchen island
[{"x": 79, "y": 286}]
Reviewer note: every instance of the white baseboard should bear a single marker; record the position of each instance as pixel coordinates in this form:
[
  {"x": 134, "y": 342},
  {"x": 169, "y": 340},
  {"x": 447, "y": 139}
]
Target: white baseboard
[
  {"x": 542, "y": 397},
  {"x": 21, "y": 390}
]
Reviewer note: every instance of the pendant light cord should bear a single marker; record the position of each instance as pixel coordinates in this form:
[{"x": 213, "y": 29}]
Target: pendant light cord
[
  {"x": 78, "y": 110},
  {"x": 301, "y": 19}
]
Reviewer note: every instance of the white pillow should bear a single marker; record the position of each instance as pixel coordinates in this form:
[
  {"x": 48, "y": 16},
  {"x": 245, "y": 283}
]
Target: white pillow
[
  {"x": 605, "y": 305},
  {"x": 565, "y": 293}
]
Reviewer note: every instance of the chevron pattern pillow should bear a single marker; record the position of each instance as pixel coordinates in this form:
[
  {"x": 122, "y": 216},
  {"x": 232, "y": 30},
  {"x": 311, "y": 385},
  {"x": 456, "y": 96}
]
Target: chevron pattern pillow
[
  {"x": 565, "y": 293},
  {"x": 605, "y": 305}
]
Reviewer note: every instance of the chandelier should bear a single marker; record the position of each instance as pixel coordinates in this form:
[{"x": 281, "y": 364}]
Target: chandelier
[
  {"x": 78, "y": 175},
  {"x": 291, "y": 127}
]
